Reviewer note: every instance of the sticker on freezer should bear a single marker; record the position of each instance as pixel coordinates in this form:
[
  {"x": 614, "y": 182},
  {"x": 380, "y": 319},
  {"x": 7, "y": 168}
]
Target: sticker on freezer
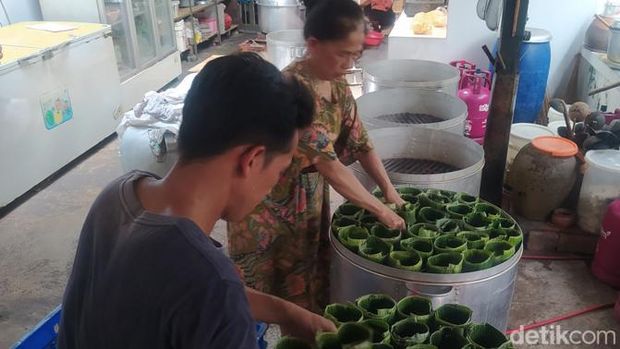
[{"x": 56, "y": 108}]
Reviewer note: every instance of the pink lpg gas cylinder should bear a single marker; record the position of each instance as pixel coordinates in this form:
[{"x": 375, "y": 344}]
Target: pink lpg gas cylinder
[
  {"x": 606, "y": 264},
  {"x": 463, "y": 66},
  {"x": 475, "y": 91}
]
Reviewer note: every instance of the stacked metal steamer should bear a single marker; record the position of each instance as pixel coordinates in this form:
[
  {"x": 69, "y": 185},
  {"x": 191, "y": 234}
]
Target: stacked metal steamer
[{"x": 416, "y": 123}]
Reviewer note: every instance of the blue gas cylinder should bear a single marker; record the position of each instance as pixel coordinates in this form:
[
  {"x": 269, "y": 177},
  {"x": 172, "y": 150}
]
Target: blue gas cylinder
[{"x": 534, "y": 72}]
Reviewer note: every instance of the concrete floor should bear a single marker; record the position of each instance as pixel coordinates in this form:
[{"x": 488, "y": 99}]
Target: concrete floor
[{"x": 38, "y": 240}]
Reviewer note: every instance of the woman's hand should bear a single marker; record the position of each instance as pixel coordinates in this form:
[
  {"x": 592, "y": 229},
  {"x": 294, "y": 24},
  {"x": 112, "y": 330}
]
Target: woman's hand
[
  {"x": 393, "y": 197},
  {"x": 390, "y": 219}
]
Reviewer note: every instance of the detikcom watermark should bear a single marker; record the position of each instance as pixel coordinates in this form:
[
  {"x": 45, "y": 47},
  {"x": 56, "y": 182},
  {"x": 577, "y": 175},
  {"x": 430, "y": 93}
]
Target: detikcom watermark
[{"x": 555, "y": 335}]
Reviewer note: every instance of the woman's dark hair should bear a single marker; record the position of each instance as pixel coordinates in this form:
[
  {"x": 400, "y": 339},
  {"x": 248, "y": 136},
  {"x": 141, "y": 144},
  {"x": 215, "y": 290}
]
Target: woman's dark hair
[
  {"x": 242, "y": 99},
  {"x": 331, "y": 19}
]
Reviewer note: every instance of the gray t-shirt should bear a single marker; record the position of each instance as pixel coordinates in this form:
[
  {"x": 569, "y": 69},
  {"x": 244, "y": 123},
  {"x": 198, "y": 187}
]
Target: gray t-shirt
[{"x": 142, "y": 280}]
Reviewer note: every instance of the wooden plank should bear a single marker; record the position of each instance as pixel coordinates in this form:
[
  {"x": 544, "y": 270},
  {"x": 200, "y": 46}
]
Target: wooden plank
[
  {"x": 502, "y": 103},
  {"x": 185, "y": 12},
  {"x": 198, "y": 67}
]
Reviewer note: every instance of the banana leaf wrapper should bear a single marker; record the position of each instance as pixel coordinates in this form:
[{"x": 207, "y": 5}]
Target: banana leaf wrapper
[
  {"x": 292, "y": 343},
  {"x": 349, "y": 210},
  {"x": 422, "y": 247},
  {"x": 341, "y": 222},
  {"x": 458, "y": 210},
  {"x": 448, "y": 338},
  {"x": 475, "y": 239},
  {"x": 453, "y": 315},
  {"x": 475, "y": 260},
  {"x": 343, "y": 313},
  {"x": 417, "y": 308},
  {"x": 466, "y": 199},
  {"x": 391, "y": 236},
  {"x": 368, "y": 220},
  {"x": 406, "y": 260},
  {"x": 409, "y": 213},
  {"x": 514, "y": 237},
  {"x": 380, "y": 330},
  {"x": 412, "y": 199},
  {"x": 408, "y": 332},
  {"x": 445, "y": 263},
  {"x": 328, "y": 340},
  {"x": 502, "y": 250},
  {"x": 377, "y": 306},
  {"x": 477, "y": 221},
  {"x": 425, "y": 231},
  {"x": 352, "y": 237},
  {"x": 485, "y": 336},
  {"x": 450, "y": 225},
  {"x": 375, "y": 249},
  {"x": 354, "y": 336},
  {"x": 449, "y": 243},
  {"x": 409, "y": 191},
  {"x": 493, "y": 212},
  {"x": 504, "y": 223},
  {"x": 381, "y": 346},
  {"x": 434, "y": 200}
]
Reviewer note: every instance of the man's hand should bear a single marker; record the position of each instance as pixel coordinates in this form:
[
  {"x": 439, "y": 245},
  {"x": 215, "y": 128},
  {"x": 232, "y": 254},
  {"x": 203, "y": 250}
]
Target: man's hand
[
  {"x": 293, "y": 320},
  {"x": 305, "y": 324}
]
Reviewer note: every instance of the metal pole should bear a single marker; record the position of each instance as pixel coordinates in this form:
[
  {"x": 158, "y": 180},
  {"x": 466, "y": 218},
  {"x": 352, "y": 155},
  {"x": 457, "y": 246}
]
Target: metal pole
[{"x": 503, "y": 99}]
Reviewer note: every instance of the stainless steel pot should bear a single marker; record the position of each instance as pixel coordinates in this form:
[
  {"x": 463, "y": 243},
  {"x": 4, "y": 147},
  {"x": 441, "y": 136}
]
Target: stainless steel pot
[
  {"x": 275, "y": 15},
  {"x": 488, "y": 292},
  {"x": 394, "y": 108},
  {"x": 285, "y": 46},
  {"x": 411, "y": 73},
  {"x": 426, "y": 158}
]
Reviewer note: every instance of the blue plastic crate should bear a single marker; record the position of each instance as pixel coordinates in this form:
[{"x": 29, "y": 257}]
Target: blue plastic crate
[{"x": 44, "y": 334}]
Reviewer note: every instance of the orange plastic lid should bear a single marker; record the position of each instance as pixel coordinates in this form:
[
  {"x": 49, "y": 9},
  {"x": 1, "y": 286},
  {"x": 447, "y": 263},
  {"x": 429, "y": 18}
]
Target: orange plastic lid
[{"x": 555, "y": 146}]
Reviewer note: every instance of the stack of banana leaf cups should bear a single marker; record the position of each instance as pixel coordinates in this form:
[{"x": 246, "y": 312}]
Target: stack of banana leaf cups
[
  {"x": 446, "y": 233},
  {"x": 376, "y": 321}
]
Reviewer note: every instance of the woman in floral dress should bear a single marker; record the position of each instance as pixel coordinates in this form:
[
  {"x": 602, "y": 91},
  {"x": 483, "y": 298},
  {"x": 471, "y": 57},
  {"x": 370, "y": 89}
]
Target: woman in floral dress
[{"x": 283, "y": 246}]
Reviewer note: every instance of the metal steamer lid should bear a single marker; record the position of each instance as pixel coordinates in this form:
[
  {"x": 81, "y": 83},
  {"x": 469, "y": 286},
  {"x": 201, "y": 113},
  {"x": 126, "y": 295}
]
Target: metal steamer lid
[{"x": 538, "y": 36}]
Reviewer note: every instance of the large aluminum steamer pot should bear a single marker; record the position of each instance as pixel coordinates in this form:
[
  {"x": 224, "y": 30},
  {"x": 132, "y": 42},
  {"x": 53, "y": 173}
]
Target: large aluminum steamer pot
[
  {"x": 426, "y": 158},
  {"x": 285, "y": 46},
  {"x": 408, "y": 107},
  {"x": 487, "y": 292},
  {"x": 418, "y": 74},
  {"x": 274, "y": 15}
]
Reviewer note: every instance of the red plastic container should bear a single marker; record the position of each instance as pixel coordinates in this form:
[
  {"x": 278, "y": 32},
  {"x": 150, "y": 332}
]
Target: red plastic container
[
  {"x": 606, "y": 264},
  {"x": 373, "y": 38},
  {"x": 475, "y": 91}
]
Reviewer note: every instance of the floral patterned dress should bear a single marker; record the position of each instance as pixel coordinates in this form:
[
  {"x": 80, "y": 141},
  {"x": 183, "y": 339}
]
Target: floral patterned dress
[{"x": 282, "y": 247}]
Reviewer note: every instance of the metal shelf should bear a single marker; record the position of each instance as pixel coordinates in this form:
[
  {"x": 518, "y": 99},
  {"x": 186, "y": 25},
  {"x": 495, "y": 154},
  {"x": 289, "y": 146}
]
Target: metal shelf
[{"x": 185, "y": 12}]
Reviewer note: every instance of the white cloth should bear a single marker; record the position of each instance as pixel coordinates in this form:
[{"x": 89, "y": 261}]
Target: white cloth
[{"x": 159, "y": 112}]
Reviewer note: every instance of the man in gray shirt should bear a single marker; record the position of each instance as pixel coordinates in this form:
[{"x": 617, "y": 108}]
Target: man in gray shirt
[{"x": 146, "y": 274}]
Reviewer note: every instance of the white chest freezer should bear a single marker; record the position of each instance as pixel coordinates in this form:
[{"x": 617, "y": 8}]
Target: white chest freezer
[{"x": 59, "y": 96}]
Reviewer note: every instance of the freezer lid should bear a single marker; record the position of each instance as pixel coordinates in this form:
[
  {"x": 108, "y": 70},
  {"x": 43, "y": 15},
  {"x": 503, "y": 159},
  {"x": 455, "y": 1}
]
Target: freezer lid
[
  {"x": 34, "y": 35},
  {"x": 13, "y": 54}
]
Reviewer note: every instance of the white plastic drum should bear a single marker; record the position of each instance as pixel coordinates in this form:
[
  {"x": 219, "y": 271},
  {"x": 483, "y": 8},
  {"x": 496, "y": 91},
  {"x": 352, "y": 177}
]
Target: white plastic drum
[{"x": 601, "y": 185}]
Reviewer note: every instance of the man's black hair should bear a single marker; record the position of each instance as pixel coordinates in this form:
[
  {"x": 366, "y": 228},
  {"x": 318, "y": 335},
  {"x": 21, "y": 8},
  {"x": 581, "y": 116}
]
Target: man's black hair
[
  {"x": 242, "y": 99},
  {"x": 331, "y": 20}
]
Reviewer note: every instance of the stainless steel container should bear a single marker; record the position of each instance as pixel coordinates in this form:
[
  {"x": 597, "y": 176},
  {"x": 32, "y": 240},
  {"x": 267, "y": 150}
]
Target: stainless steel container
[
  {"x": 407, "y": 107},
  {"x": 274, "y": 15},
  {"x": 426, "y": 158},
  {"x": 488, "y": 292},
  {"x": 421, "y": 75},
  {"x": 285, "y": 46}
]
